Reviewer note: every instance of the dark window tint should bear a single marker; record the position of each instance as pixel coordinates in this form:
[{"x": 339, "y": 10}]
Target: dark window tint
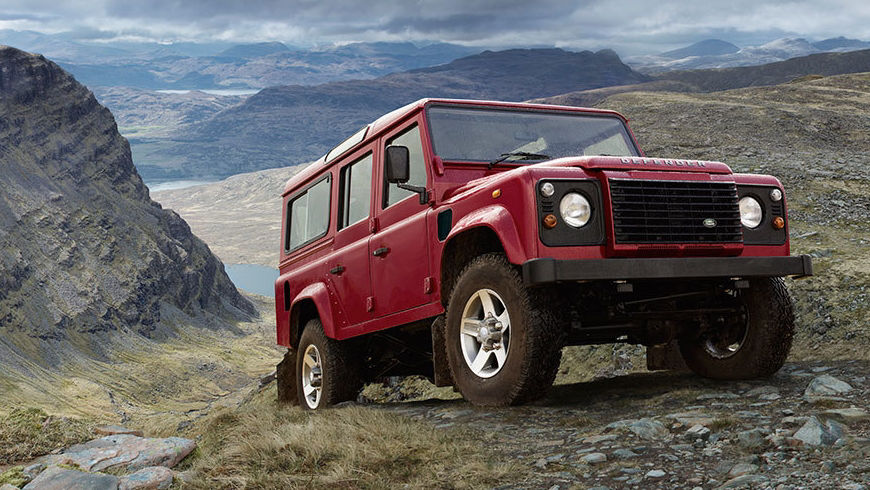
[
  {"x": 308, "y": 215},
  {"x": 356, "y": 191},
  {"x": 411, "y": 139}
]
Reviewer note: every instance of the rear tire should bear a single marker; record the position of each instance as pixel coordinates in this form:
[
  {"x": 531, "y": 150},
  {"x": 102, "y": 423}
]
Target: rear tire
[
  {"x": 503, "y": 344},
  {"x": 755, "y": 347},
  {"x": 326, "y": 370}
]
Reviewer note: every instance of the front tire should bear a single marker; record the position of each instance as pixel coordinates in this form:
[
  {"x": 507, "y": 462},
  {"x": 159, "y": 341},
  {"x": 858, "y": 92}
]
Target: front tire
[
  {"x": 326, "y": 371},
  {"x": 756, "y": 345},
  {"x": 503, "y": 344}
]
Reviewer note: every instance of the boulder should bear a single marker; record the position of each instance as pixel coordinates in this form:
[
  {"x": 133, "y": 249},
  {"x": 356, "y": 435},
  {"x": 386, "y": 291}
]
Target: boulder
[
  {"x": 151, "y": 478},
  {"x": 594, "y": 458},
  {"x": 650, "y": 430},
  {"x": 57, "y": 478},
  {"x": 125, "y": 452},
  {"x": 846, "y": 415},
  {"x": 816, "y": 433},
  {"x": 825, "y": 386}
]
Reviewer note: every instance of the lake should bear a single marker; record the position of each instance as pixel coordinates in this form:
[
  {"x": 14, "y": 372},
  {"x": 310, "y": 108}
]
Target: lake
[
  {"x": 176, "y": 184},
  {"x": 253, "y": 278},
  {"x": 219, "y": 92}
]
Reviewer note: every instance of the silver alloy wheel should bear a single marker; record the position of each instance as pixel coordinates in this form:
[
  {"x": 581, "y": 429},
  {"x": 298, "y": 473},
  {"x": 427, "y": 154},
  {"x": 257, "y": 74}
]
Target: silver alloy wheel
[
  {"x": 312, "y": 376},
  {"x": 727, "y": 342},
  {"x": 485, "y": 334}
]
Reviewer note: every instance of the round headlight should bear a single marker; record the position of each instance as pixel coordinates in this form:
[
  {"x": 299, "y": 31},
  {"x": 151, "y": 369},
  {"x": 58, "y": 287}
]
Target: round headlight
[
  {"x": 547, "y": 189},
  {"x": 750, "y": 212},
  {"x": 575, "y": 209}
]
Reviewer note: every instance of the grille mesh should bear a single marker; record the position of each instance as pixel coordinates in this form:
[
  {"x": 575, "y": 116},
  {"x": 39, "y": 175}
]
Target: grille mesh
[{"x": 656, "y": 211}]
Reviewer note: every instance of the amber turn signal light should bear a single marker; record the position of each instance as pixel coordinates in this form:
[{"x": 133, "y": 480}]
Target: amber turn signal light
[
  {"x": 496, "y": 193},
  {"x": 549, "y": 221},
  {"x": 778, "y": 223}
]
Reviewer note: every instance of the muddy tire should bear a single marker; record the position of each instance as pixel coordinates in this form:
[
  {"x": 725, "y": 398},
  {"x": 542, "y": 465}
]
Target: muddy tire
[
  {"x": 503, "y": 345},
  {"x": 754, "y": 347},
  {"x": 326, "y": 370}
]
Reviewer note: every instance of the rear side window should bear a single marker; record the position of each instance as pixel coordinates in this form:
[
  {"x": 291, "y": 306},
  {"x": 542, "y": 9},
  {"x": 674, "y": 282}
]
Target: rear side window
[
  {"x": 308, "y": 215},
  {"x": 356, "y": 191}
]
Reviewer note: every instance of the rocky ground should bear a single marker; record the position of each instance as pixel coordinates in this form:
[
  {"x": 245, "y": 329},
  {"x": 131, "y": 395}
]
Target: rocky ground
[{"x": 806, "y": 427}]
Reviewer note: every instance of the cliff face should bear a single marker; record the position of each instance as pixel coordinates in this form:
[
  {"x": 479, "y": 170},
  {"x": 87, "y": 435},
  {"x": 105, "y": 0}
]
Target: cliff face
[{"x": 84, "y": 252}]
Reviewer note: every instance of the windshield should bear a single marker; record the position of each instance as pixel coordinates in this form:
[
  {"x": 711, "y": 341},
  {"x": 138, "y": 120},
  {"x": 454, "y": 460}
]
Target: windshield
[{"x": 485, "y": 134}]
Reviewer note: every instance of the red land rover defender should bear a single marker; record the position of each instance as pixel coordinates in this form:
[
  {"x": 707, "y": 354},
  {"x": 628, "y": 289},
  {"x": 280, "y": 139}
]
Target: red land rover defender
[{"x": 469, "y": 241}]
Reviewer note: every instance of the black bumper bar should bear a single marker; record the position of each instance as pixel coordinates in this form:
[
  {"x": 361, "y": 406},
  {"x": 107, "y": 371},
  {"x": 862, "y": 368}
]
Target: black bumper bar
[{"x": 541, "y": 271}]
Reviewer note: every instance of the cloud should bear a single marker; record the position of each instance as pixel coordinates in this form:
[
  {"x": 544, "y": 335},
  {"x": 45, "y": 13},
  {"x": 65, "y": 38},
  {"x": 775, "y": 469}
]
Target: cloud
[{"x": 626, "y": 25}]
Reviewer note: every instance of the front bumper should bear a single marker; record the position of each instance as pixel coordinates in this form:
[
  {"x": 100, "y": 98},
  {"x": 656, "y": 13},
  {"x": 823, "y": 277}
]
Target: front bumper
[{"x": 542, "y": 271}]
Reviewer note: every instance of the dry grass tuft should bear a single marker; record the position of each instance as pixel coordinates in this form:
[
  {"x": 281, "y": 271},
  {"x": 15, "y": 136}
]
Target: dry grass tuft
[
  {"x": 267, "y": 445},
  {"x": 26, "y": 433}
]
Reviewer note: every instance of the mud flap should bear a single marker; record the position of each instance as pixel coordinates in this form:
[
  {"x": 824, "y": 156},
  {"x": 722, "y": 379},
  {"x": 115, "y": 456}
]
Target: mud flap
[
  {"x": 439, "y": 353},
  {"x": 286, "y": 375},
  {"x": 667, "y": 356}
]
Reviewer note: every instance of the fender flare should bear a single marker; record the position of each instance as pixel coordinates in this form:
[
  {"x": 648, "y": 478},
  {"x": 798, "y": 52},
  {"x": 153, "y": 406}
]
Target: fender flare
[
  {"x": 498, "y": 219},
  {"x": 319, "y": 295}
]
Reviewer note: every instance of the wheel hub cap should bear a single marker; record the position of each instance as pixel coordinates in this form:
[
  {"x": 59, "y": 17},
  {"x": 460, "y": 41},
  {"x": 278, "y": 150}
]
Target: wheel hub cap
[
  {"x": 485, "y": 333},
  {"x": 312, "y": 376}
]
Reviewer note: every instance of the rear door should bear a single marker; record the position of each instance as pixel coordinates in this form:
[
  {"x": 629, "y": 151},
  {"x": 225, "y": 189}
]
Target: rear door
[
  {"x": 348, "y": 268},
  {"x": 399, "y": 251}
]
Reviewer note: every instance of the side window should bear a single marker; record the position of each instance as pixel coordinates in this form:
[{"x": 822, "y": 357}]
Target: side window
[
  {"x": 308, "y": 215},
  {"x": 411, "y": 139},
  {"x": 355, "y": 192}
]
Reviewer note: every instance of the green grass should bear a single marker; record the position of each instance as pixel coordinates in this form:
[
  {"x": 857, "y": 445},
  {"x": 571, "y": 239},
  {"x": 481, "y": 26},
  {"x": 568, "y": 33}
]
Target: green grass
[
  {"x": 28, "y": 433},
  {"x": 264, "y": 444}
]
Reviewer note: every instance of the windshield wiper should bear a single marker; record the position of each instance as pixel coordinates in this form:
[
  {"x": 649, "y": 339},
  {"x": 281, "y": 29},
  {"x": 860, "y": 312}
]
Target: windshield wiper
[{"x": 524, "y": 154}]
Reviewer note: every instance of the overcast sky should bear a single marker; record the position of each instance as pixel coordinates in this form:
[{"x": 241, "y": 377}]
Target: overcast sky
[{"x": 629, "y": 27}]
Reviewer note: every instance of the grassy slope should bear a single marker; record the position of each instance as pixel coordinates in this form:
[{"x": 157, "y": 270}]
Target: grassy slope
[
  {"x": 266, "y": 445},
  {"x": 156, "y": 385}
]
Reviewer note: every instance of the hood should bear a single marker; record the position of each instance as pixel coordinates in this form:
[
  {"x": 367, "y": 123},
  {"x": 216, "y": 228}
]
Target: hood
[{"x": 639, "y": 163}]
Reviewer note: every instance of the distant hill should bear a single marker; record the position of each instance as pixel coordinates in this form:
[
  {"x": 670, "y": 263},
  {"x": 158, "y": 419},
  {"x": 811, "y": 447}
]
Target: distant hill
[
  {"x": 773, "y": 73},
  {"x": 88, "y": 262},
  {"x": 711, "y": 80},
  {"x": 708, "y": 47},
  {"x": 251, "y": 51},
  {"x": 720, "y": 54},
  {"x": 841, "y": 44},
  {"x": 286, "y": 125}
]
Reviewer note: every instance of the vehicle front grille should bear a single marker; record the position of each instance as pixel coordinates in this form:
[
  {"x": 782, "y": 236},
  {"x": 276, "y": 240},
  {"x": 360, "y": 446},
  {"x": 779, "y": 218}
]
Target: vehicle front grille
[{"x": 658, "y": 211}]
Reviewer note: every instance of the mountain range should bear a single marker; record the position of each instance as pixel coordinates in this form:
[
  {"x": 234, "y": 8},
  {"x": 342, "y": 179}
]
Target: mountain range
[
  {"x": 187, "y": 66},
  {"x": 715, "y": 53},
  {"x": 287, "y": 125}
]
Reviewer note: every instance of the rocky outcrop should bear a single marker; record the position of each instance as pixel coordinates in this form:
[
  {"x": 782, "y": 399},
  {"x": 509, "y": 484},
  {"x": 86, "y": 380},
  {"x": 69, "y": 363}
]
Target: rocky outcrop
[
  {"x": 86, "y": 257},
  {"x": 144, "y": 463}
]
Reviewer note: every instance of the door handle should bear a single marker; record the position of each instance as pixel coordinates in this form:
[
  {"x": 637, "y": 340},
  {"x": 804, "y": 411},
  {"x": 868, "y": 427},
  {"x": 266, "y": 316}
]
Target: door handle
[
  {"x": 337, "y": 270},
  {"x": 380, "y": 252}
]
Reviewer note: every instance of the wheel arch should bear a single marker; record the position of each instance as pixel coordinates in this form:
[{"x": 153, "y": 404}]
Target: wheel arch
[
  {"x": 311, "y": 303},
  {"x": 460, "y": 249}
]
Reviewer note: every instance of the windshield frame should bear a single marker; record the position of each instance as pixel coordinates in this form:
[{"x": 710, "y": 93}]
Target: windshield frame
[{"x": 629, "y": 136}]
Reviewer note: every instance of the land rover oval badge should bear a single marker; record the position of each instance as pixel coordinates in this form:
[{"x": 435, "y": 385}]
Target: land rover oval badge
[{"x": 710, "y": 223}]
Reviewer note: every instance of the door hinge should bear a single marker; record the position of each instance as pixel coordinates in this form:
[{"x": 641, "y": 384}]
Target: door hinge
[
  {"x": 427, "y": 285},
  {"x": 370, "y": 303}
]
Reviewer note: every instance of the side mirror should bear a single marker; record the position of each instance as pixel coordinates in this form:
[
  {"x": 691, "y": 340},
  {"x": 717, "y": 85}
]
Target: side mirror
[{"x": 397, "y": 163}]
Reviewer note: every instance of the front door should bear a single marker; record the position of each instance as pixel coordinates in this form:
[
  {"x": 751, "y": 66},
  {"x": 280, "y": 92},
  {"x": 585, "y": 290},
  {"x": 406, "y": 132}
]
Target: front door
[{"x": 399, "y": 252}]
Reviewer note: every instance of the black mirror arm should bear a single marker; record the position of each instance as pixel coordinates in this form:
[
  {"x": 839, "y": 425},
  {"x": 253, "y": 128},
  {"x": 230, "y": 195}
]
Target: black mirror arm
[{"x": 424, "y": 195}]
